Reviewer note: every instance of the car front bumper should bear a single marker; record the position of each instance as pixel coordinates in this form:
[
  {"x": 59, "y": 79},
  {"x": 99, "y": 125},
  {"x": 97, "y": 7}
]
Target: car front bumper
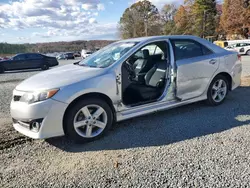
[{"x": 48, "y": 114}]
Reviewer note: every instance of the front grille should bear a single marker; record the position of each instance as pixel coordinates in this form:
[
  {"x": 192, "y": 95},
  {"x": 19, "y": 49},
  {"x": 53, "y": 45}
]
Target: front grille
[{"x": 17, "y": 98}]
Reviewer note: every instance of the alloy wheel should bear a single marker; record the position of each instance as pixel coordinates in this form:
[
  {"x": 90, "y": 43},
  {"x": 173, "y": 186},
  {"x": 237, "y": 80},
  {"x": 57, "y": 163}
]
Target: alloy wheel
[
  {"x": 219, "y": 90},
  {"x": 90, "y": 121}
]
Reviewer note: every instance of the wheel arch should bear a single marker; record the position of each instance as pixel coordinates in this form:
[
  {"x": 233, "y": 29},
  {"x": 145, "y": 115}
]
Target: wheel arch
[
  {"x": 228, "y": 77},
  {"x": 91, "y": 95}
]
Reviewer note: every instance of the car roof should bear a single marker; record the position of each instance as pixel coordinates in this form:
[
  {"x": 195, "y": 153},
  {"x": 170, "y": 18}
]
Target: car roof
[
  {"x": 28, "y": 53},
  {"x": 204, "y": 42},
  {"x": 162, "y": 37}
]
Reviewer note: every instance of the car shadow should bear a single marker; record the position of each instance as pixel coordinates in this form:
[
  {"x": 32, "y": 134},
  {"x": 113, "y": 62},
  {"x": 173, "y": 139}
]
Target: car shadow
[{"x": 170, "y": 126}]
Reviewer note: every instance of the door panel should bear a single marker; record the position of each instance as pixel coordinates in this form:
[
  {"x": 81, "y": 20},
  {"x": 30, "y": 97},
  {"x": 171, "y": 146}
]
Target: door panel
[
  {"x": 194, "y": 74},
  {"x": 33, "y": 61},
  {"x": 14, "y": 65}
]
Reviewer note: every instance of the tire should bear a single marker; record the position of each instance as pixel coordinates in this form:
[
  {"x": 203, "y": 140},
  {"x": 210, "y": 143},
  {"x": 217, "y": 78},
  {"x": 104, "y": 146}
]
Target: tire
[
  {"x": 1, "y": 70},
  {"x": 217, "y": 91},
  {"x": 77, "y": 124},
  {"x": 248, "y": 52},
  {"x": 45, "y": 67}
]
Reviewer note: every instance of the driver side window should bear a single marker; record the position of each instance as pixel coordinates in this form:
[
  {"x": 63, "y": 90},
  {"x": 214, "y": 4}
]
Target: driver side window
[{"x": 20, "y": 57}]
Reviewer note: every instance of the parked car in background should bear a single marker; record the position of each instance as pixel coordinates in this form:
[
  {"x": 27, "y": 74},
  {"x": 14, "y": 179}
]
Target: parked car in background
[
  {"x": 3, "y": 58},
  {"x": 28, "y": 61},
  {"x": 241, "y": 48},
  {"x": 60, "y": 57},
  {"x": 124, "y": 80},
  {"x": 69, "y": 55},
  {"x": 77, "y": 54},
  {"x": 85, "y": 53}
]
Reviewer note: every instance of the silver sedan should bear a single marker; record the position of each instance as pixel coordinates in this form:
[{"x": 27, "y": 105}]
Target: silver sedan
[{"x": 125, "y": 79}]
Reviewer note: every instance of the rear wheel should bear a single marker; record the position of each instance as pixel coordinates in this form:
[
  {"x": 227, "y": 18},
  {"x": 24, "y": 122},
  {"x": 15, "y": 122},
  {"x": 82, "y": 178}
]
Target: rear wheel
[
  {"x": 45, "y": 67},
  {"x": 1, "y": 70},
  {"x": 88, "y": 120},
  {"x": 217, "y": 90},
  {"x": 248, "y": 52}
]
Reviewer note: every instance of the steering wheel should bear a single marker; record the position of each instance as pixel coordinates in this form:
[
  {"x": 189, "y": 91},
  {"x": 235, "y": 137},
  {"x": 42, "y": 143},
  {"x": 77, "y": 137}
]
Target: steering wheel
[{"x": 130, "y": 69}]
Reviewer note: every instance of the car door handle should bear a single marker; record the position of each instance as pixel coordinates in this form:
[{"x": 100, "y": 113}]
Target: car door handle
[{"x": 212, "y": 61}]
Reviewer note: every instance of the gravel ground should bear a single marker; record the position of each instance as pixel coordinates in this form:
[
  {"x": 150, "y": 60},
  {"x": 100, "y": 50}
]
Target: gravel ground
[{"x": 191, "y": 146}]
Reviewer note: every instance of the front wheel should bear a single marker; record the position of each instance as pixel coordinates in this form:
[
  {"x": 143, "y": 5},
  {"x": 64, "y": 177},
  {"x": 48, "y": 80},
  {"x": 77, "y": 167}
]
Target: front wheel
[
  {"x": 248, "y": 52},
  {"x": 44, "y": 67},
  {"x": 217, "y": 91},
  {"x": 88, "y": 120}
]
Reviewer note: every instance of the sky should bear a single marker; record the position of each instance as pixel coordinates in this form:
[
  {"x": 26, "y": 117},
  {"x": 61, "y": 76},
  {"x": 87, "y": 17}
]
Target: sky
[{"x": 32, "y": 21}]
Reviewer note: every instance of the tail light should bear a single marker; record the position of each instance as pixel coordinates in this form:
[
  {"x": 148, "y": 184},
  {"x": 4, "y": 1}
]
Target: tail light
[{"x": 239, "y": 57}]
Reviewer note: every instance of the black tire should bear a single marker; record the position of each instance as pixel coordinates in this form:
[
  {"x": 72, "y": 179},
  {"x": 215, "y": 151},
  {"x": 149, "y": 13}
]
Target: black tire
[
  {"x": 69, "y": 128},
  {"x": 210, "y": 91},
  {"x": 1, "y": 69},
  {"x": 45, "y": 66},
  {"x": 248, "y": 52}
]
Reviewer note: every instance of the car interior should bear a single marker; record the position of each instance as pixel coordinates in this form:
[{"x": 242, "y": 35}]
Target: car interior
[{"x": 144, "y": 74}]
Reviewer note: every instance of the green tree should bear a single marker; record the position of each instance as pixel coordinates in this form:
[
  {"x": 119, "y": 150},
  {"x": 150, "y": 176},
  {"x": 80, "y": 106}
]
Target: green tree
[
  {"x": 168, "y": 13},
  {"x": 204, "y": 15},
  {"x": 140, "y": 19}
]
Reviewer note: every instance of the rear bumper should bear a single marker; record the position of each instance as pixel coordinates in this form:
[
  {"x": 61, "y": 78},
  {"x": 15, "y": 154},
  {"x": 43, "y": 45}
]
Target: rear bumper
[
  {"x": 236, "y": 76},
  {"x": 50, "y": 114}
]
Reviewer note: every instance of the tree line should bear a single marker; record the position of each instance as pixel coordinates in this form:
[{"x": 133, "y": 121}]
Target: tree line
[
  {"x": 203, "y": 18},
  {"x": 50, "y": 47}
]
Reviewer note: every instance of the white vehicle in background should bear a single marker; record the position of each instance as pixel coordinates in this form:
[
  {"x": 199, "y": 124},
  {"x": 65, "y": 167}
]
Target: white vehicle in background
[
  {"x": 85, "y": 53},
  {"x": 241, "y": 48}
]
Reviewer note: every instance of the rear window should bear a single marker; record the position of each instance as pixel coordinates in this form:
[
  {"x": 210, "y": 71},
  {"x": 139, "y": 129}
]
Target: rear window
[{"x": 185, "y": 49}]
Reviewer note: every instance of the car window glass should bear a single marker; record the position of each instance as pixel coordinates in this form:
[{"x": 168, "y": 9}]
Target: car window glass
[
  {"x": 34, "y": 56},
  {"x": 150, "y": 48},
  {"x": 206, "y": 51},
  {"x": 156, "y": 50},
  {"x": 20, "y": 57},
  {"x": 185, "y": 49},
  {"x": 153, "y": 49}
]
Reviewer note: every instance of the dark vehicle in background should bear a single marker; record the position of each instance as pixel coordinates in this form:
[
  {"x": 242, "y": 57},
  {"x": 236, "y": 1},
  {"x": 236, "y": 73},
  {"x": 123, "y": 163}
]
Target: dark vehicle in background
[
  {"x": 77, "y": 54},
  {"x": 3, "y": 58},
  {"x": 28, "y": 61},
  {"x": 69, "y": 55}
]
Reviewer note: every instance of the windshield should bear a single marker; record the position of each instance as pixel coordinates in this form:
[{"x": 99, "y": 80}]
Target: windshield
[{"x": 108, "y": 55}]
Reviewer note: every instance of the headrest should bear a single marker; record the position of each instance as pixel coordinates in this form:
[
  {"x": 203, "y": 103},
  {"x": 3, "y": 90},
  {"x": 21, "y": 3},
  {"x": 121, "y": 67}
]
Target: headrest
[{"x": 145, "y": 54}]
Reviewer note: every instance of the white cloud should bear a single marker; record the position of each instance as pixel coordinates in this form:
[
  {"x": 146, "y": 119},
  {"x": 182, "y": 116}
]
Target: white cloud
[
  {"x": 91, "y": 6},
  {"x": 56, "y": 18},
  {"x": 100, "y": 6},
  {"x": 48, "y": 13},
  {"x": 92, "y": 20}
]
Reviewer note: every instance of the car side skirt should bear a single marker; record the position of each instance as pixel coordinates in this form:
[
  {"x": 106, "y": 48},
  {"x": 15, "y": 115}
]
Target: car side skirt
[{"x": 155, "y": 107}]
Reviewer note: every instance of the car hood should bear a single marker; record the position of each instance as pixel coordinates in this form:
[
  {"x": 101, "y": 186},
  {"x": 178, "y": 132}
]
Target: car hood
[{"x": 58, "y": 77}]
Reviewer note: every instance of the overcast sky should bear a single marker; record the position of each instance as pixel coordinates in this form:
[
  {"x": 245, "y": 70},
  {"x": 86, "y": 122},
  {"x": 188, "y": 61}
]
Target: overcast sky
[{"x": 58, "y": 20}]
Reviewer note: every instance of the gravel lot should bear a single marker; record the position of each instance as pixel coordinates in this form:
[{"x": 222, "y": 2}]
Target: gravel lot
[{"x": 191, "y": 146}]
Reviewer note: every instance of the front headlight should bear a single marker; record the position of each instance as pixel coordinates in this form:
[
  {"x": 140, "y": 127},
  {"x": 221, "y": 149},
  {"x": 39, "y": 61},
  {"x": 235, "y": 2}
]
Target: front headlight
[{"x": 38, "y": 96}]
